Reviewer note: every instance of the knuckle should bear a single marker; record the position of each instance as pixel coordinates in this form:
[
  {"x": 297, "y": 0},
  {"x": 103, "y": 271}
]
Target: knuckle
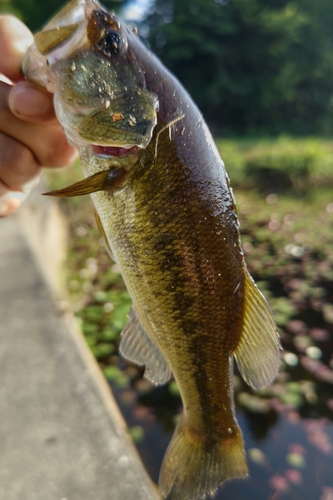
[
  {"x": 17, "y": 163},
  {"x": 56, "y": 152}
]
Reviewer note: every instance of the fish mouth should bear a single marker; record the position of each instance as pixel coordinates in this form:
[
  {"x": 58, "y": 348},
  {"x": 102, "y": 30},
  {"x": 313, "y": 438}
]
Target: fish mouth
[{"x": 113, "y": 151}]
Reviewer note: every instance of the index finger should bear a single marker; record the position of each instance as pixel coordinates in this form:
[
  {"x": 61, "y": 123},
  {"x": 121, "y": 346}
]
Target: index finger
[{"x": 15, "y": 39}]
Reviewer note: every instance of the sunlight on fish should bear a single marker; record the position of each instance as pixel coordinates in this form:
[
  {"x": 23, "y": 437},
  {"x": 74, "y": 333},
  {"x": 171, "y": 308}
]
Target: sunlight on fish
[{"x": 166, "y": 212}]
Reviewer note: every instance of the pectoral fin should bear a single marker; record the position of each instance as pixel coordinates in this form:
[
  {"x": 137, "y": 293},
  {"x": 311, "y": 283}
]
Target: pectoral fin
[
  {"x": 106, "y": 180},
  {"x": 103, "y": 234},
  {"x": 258, "y": 352},
  {"x": 136, "y": 346}
]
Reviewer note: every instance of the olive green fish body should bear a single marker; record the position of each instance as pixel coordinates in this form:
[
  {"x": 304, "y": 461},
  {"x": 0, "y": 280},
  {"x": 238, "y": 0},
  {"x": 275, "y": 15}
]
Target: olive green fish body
[
  {"x": 166, "y": 211},
  {"x": 173, "y": 231}
]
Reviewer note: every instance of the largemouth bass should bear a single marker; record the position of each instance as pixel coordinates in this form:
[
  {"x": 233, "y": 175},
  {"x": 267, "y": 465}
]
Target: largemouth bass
[{"x": 168, "y": 217}]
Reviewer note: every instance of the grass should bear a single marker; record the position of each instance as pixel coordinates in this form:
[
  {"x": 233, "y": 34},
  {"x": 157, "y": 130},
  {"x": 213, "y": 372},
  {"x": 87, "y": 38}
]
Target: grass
[{"x": 284, "y": 163}]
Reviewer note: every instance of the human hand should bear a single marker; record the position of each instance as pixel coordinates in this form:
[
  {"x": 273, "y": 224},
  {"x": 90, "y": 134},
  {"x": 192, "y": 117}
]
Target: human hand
[{"x": 30, "y": 134}]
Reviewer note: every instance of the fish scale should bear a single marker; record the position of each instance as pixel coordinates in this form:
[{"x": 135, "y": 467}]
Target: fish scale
[
  {"x": 183, "y": 317},
  {"x": 167, "y": 214}
]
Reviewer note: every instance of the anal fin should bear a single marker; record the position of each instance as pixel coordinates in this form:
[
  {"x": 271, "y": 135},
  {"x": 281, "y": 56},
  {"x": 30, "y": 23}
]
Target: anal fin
[
  {"x": 258, "y": 351},
  {"x": 137, "y": 347}
]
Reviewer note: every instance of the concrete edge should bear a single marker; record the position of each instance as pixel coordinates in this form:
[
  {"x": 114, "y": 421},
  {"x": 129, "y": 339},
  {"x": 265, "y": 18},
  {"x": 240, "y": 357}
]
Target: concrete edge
[
  {"x": 46, "y": 231},
  {"x": 97, "y": 375}
]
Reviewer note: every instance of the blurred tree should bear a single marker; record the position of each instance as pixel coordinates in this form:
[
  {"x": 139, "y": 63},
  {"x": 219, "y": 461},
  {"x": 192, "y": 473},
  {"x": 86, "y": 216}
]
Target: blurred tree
[{"x": 252, "y": 67}]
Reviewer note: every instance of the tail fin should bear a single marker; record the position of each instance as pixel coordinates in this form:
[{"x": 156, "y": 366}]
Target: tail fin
[{"x": 193, "y": 469}]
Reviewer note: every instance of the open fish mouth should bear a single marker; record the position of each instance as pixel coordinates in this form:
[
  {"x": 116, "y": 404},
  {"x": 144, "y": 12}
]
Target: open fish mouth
[{"x": 113, "y": 151}]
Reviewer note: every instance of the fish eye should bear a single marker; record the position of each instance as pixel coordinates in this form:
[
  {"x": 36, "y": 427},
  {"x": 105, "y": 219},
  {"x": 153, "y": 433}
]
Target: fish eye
[{"x": 111, "y": 43}]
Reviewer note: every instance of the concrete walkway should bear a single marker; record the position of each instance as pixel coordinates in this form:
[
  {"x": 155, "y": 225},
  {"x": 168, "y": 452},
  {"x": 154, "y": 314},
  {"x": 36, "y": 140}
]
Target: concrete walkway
[{"x": 61, "y": 434}]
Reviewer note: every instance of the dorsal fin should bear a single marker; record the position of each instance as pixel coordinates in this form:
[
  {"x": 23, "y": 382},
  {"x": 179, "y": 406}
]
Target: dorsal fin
[
  {"x": 137, "y": 346},
  {"x": 258, "y": 352}
]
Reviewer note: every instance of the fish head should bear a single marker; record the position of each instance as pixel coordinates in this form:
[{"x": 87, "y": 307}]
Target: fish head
[{"x": 84, "y": 56}]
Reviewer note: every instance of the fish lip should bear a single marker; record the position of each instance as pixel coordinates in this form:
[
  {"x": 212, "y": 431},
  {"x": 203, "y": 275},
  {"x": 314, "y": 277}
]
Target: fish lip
[{"x": 113, "y": 151}]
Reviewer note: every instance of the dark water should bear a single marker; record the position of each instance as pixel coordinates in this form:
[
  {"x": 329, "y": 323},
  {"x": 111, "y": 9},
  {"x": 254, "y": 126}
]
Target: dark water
[{"x": 290, "y": 458}]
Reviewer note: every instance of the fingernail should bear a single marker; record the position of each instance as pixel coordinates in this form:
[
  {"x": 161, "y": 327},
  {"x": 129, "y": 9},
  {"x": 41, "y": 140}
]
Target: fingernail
[
  {"x": 6, "y": 194},
  {"x": 11, "y": 200},
  {"x": 29, "y": 186},
  {"x": 22, "y": 37},
  {"x": 7, "y": 207},
  {"x": 24, "y": 43},
  {"x": 27, "y": 100},
  {"x": 15, "y": 195}
]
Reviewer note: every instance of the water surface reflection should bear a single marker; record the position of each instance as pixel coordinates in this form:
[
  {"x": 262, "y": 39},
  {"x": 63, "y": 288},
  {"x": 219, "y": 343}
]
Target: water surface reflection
[{"x": 290, "y": 458}]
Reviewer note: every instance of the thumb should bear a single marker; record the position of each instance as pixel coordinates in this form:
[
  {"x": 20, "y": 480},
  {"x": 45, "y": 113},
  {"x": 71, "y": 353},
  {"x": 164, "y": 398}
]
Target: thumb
[
  {"x": 15, "y": 38},
  {"x": 26, "y": 101},
  {"x": 31, "y": 103}
]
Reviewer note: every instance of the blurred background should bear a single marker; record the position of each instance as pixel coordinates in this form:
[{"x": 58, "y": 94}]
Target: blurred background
[
  {"x": 261, "y": 72},
  {"x": 260, "y": 67}
]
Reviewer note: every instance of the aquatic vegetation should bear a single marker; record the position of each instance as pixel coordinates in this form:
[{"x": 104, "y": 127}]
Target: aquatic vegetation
[
  {"x": 297, "y": 283},
  {"x": 287, "y": 240}
]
